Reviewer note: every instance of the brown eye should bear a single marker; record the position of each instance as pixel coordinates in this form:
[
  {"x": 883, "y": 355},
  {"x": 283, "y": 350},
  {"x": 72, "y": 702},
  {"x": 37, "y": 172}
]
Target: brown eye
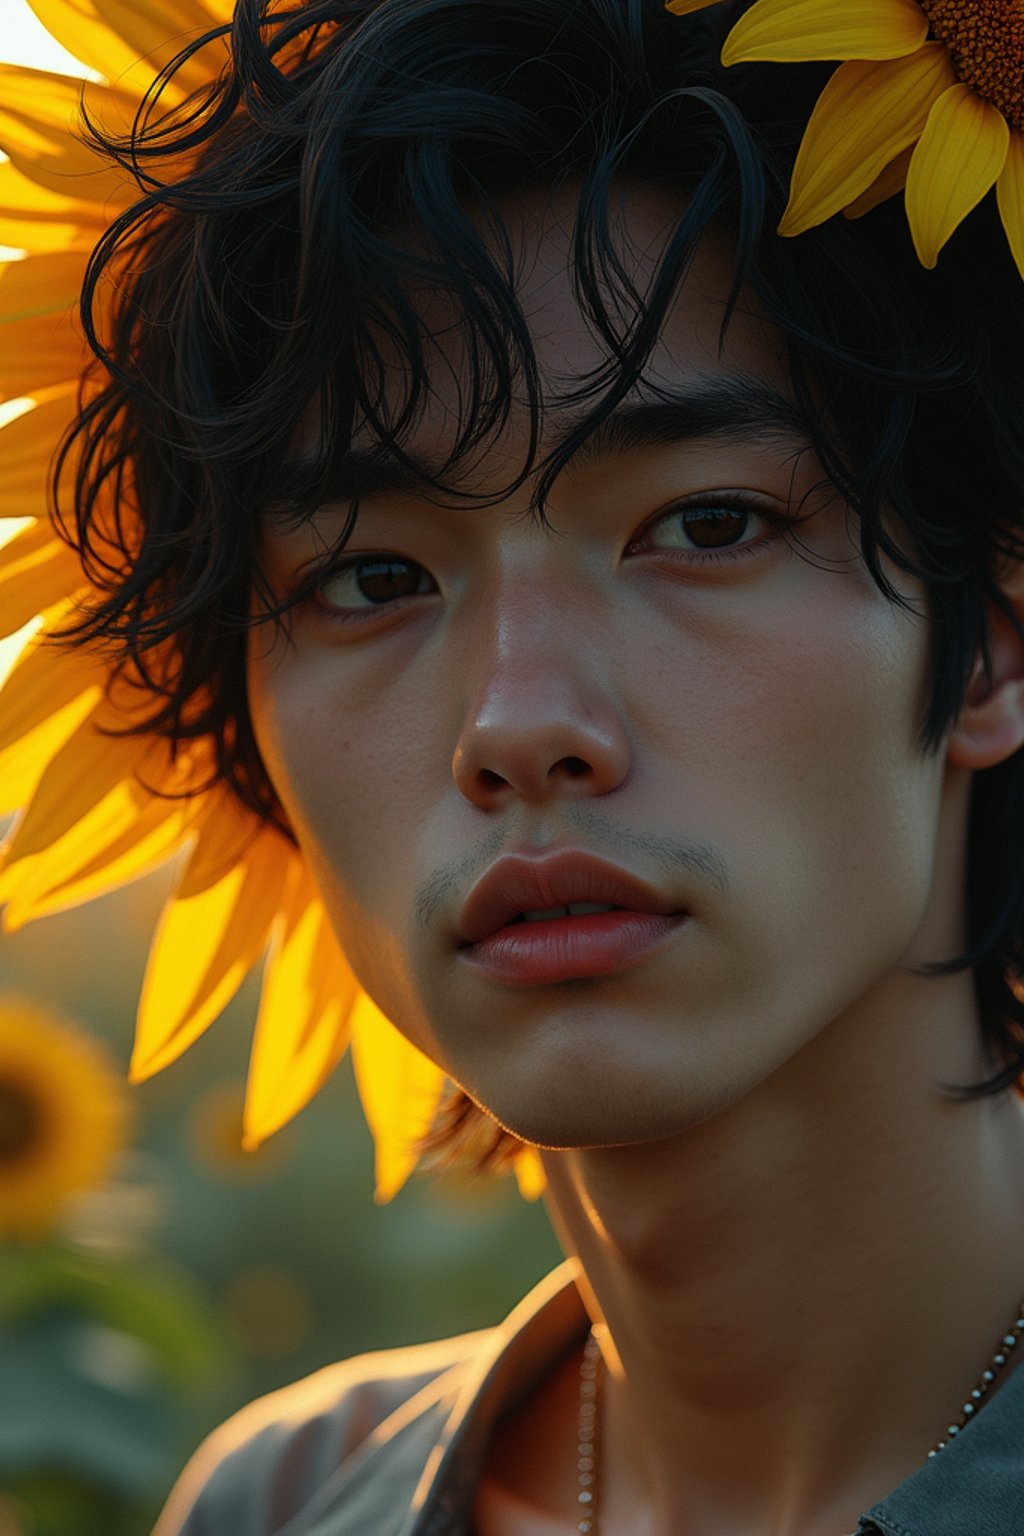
[
  {"x": 369, "y": 583},
  {"x": 704, "y": 526},
  {"x": 714, "y": 527}
]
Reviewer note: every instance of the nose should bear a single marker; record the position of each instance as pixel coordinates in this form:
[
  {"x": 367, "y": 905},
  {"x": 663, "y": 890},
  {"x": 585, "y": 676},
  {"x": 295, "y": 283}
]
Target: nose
[{"x": 543, "y": 722}]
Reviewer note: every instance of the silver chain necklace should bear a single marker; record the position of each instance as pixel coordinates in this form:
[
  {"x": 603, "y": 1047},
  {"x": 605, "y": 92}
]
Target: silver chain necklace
[{"x": 588, "y": 1436}]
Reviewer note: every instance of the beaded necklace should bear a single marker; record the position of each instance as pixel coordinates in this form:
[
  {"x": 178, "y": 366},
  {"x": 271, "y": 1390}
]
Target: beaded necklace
[{"x": 588, "y": 1438}]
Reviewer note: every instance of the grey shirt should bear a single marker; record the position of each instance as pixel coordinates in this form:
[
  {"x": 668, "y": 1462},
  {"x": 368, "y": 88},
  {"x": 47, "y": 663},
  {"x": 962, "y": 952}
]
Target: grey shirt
[{"x": 392, "y": 1444}]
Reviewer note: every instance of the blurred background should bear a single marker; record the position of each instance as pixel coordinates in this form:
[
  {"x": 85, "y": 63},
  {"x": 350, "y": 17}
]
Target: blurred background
[{"x": 153, "y": 1277}]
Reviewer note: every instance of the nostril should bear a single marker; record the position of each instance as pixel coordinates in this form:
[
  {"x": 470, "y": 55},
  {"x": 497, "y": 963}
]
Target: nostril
[{"x": 576, "y": 767}]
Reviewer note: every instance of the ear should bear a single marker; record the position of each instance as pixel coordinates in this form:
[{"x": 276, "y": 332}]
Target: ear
[{"x": 990, "y": 725}]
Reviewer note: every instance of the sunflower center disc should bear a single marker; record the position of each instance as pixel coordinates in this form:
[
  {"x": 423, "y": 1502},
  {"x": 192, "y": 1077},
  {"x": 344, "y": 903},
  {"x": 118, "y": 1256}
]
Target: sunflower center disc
[
  {"x": 20, "y": 1122},
  {"x": 985, "y": 39}
]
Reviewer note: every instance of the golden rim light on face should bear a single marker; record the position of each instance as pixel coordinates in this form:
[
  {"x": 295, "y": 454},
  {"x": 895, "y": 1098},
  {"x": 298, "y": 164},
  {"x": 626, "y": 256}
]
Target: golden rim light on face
[{"x": 985, "y": 39}]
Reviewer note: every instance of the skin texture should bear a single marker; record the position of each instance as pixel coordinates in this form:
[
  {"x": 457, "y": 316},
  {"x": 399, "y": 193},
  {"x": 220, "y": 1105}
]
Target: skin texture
[{"x": 776, "y": 1209}]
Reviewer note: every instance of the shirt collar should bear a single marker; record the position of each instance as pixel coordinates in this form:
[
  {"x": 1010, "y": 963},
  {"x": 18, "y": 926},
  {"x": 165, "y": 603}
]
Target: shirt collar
[
  {"x": 974, "y": 1487},
  {"x": 545, "y": 1326},
  {"x": 435, "y": 1446}
]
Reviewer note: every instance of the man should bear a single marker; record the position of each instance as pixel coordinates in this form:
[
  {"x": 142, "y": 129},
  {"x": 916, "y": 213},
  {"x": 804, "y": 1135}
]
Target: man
[{"x": 634, "y": 654}]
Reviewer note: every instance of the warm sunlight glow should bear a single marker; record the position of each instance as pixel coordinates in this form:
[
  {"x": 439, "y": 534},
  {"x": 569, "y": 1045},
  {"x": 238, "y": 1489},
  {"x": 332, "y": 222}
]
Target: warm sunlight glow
[
  {"x": 24, "y": 40},
  {"x": 9, "y": 526}
]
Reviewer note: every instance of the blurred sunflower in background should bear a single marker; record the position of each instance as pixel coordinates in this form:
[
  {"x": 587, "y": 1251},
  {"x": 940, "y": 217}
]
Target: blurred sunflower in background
[
  {"x": 929, "y": 98},
  {"x": 63, "y": 1116},
  {"x": 104, "y": 1355}
]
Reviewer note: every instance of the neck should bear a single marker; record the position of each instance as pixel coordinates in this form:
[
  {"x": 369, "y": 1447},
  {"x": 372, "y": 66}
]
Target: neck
[{"x": 813, "y": 1281}]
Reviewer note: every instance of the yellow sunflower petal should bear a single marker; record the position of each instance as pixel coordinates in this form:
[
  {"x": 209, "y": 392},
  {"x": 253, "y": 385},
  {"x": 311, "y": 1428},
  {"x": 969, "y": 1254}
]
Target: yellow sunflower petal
[
  {"x": 82, "y": 776},
  {"x": 1010, "y": 194},
  {"x": 41, "y": 236},
  {"x": 40, "y": 338},
  {"x": 957, "y": 160},
  {"x": 529, "y": 1171},
  {"x": 41, "y": 341},
  {"x": 157, "y": 33},
  {"x": 35, "y": 219},
  {"x": 23, "y": 198},
  {"x": 892, "y": 180},
  {"x": 37, "y": 569},
  {"x": 35, "y": 354},
  {"x": 45, "y": 677},
  {"x": 128, "y": 838},
  {"x": 223, "y": 836},
  {"x": 26, "y": 448},
  {"x": 129, "y": 43},
  {"x": 209, "y": 937},
  {"x": 39, "y": 285},
  {"x": 302, "y": 1026},
  {"x": 40, "y": 126},
  {"x": 787, "y": 31},
  {"x": 46, "y": 697},
  {"x": 78, "y": 26},
  {"x": 866, "y": 115},
  {"x": 684, "y": 7},
  {"x": 125, "y": 826},
  {"x": 400, "y": 1089}
]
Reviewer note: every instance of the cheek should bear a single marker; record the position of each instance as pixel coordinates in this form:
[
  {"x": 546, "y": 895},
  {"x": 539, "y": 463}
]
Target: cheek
[
  {"x": 336, "y": 748},
  {"x": 818, "y": 787},
  {"x": 347, "y": 769}
]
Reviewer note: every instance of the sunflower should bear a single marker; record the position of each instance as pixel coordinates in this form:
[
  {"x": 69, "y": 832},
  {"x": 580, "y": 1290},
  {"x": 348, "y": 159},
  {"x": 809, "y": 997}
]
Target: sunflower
[
  {"x": 930, "y": 99},
  {"x": 96, "y": 810},
  {"x": 63, "y": 1116}
]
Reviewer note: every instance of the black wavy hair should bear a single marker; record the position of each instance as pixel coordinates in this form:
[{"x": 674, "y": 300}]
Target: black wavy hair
[{"x": 263, "y": 262}]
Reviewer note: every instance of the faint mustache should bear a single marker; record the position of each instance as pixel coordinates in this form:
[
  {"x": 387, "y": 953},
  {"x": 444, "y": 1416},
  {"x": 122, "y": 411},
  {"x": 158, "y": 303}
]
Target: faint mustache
[{"x": 668, "y": 855}]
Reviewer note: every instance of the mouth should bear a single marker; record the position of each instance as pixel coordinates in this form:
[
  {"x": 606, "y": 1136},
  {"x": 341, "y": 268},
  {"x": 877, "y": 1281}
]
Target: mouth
[
  {"x": 567, "y": 915},
  {"x": 573, "y": 909},
  {"x": 580, "y": 941},
  {"x": 570, "y": 887}
]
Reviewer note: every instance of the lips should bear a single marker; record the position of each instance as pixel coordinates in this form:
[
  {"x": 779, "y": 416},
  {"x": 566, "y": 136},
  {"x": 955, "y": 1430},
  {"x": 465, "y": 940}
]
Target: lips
[{"x": 517, "y": 884}]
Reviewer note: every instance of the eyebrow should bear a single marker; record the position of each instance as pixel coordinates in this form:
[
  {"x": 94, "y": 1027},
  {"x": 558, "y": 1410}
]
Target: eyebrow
[{"x": 735, "y": 406}]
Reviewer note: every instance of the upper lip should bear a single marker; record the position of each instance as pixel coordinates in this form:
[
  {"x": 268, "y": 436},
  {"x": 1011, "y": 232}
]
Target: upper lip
[{"x": 517, "y": 884}]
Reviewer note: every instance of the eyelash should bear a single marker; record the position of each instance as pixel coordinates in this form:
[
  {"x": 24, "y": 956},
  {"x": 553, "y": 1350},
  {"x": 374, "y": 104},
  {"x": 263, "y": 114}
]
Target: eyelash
[{"x": 736, "y": 501}]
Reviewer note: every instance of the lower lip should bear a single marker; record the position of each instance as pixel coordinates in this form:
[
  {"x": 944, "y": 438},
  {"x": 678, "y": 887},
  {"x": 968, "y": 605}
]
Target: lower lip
[{"x": 569, "y": 948}]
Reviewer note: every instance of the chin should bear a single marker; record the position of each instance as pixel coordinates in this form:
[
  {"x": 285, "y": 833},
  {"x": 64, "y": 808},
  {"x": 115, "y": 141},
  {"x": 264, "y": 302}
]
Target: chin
[{"x": 567, "y": 1118}]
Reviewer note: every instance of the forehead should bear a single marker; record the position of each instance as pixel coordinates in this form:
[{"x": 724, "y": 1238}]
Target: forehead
[{"x": 531, "y": 235}]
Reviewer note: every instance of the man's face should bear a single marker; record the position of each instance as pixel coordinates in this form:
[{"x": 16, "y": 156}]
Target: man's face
[{"x": 668, "y": 680}]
